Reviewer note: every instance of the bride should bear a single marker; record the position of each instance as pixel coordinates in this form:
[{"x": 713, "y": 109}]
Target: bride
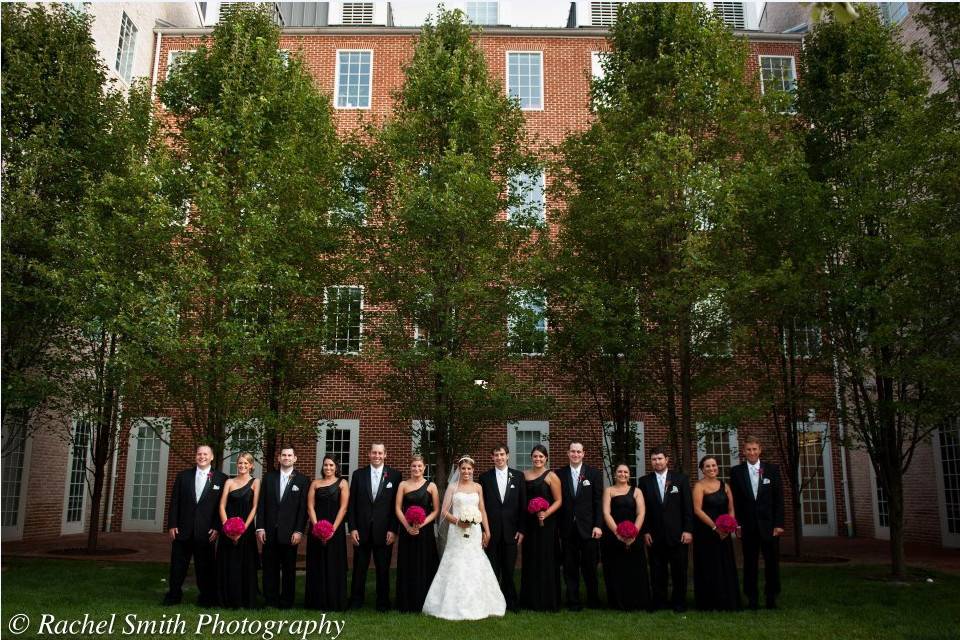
[{"x": 465, "y": 587}]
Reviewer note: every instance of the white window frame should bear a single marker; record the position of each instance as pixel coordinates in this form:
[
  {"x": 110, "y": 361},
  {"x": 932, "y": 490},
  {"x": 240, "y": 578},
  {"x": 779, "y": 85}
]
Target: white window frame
[
  {"x": 326, "y": 301},
  {"x": 948, "y": 539},
  {"x": 543, "y": 97},
  {"x": 15, "y": 532},
  {"x": 829, "y": 529},
  {"x": 542, "y": 174},
  {"x": 415, "y": 436},
  {"x": 732, "y": 442},
  {"x": 159, "y": 521},
  {"x": 793, "y": 69},
  {"x": 596, "y": 64},
  {"x": 496, "y": 19},
  {"x": 336, "y": 81},
  {"x": 543, "y": 426},
  {"x": 68, "y": 528},
  {"x": 228, "y": 453},
  {"x": 546, "y": 332},
  {"x": 172, "y": 55},
  {"x": 641, "y": 460},
  {"x": 879, "y": 531},
  {"x": 123, "y": 64},
  {"x": 353, "y": 426}
]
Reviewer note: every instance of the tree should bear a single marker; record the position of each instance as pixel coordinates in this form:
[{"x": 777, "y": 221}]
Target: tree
[
  {"x": 258, "y": 173},
  {"x": 942, "y": 49},
  {"x": 644, "y": 189},
  {"x": 442, "y": 260},
  {"x": 54, "y": 111},
  {"x": 893, "y": 265}
]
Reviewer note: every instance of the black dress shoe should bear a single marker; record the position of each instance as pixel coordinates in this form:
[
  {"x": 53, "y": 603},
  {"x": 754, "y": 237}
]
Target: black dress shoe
[
  {"x": 594, "y": 604},
  {"x": 752, "y": 604},
  {"x": 679, "y": 609},
  {"x": 574, "y": 607},
  {"x": 771, "y": 603}
]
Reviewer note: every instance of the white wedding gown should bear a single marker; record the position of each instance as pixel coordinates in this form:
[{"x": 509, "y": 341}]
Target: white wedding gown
[{"x": 465, "y": 587}]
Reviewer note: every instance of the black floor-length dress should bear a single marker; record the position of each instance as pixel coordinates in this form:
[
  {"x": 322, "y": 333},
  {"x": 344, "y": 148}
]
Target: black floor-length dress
[
  {"x": 715, "y": 583},
  {"x": 540, "y": 566},
  {"x": 625, "y": 568},
  {"x": 326, "y": 579},
  {"x": 417, "y": 557},
  {"x": 237, "y": 562}
]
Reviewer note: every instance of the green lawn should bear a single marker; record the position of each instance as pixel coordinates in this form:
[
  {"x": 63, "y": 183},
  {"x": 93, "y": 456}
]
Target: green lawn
[{"x": 818, "y": 602}]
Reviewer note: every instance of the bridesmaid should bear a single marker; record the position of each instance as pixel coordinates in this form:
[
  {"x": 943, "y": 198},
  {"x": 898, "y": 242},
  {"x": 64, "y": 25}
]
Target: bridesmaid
[
  {"x": 624, "y": 560},
  {"x": 326, "y": 580},
  {"x": 417, "y": 557},
  {"x": 237, "y": 555},
  {"x": 540, "y": 571},
  {"x": 715, "y": 584}
]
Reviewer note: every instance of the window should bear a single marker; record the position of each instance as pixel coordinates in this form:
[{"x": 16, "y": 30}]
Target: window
[
  {"x": 244, "y": 437},
  {"x": 596, "y": 64},
  {"x": 175, "y": 58},
  {"x": 12, "y": 472},
  {"x": 720, "y": 442},
  {"x": 354, "y": 209},
  {"x": 731, "y": 13},
  {"x": 525, "y": 79},
  {"x": 893, "y": 12},
  {"x": 883, "y": 507},
  {"x": 340, "y": 439},
  {"x": 146, "y": 480},
  {"x": 284, "y": 56},
  {"x": 125, "y": 48},
  {"x": 424, "y": 444},
  {"x": 527, "y": 193},
  {"x": 77, "y": 471},
  {"x": 635, "y": 451},
  {"x": 603, "y": 14},
  {"x": 711, "y": 328},
  {"x": 778, "y": 74},
  {"x": 948, "y": 439},
  {"x": 354, "y": 79},
  {"x": 527, "y": 329},
  {"x": 806, "y": 339},
  {"x": 344, "y": 307},
  {"x": 483, "y": 12},
  {"x": 522, "y": 436},
  {"x": 357, "y": 13}
]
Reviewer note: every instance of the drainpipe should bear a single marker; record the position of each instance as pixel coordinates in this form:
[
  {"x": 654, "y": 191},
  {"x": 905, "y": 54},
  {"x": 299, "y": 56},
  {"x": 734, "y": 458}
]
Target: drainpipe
[
  {"x": 843, "y": 448},
  {"x": 156, "y": 66}
]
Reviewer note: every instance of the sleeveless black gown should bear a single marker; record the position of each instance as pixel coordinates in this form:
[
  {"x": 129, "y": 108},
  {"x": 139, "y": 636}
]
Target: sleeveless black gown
[
  {"x": 326, "y": 579},
  {"x": 237, "y": 563},
  {"x": 417, "y": 556},
  {"x": 540, "y": 569},
  {"x": 625, "y": 568},
  {"x": 715, "y": 584}
]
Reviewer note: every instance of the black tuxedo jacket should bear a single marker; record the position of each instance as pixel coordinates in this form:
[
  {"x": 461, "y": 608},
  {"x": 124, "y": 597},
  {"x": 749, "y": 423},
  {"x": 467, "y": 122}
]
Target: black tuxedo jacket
[
  {"x": 667, "y": 519},
  {"x": 763, "y": 513},
  {"x": 583, "y": 512},
  {"x": 281, "y": 516},
  {"x": 373, "y": 515},
  {"x": 194, "y": 518},
  {"x": 506, "y": 517}
]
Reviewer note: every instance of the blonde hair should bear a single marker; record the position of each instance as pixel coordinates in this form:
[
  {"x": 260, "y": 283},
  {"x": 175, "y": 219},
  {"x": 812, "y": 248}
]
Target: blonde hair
[
  {"x": 246, "y": 455},
  {"x": 416, "y": 458}
]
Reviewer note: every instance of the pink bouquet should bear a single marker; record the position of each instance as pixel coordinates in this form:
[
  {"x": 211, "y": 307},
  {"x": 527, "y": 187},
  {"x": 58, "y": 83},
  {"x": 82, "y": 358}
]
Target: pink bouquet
[
  {"x": 726, "y": 523},
  {"x": 627, "y": 529},
  {"x": 234, "y": 526},
  {"x": 536, "y": 505},
  {"x": 323, "y": 530},
  {"x": 415, "y": 515}
]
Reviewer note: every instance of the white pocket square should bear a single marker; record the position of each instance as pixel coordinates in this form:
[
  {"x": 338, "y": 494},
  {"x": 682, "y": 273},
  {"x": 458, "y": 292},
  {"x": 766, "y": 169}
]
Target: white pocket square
[
  {"x": 389, "y": 485},
  {"x": 766, "y": 481},
  {"x": 295, "y": 488},
  {"x": 586, "y": 483},
  {"x": 674, "y": 490},
  {"x": 216, "y": 487},
  {"x": 512, "y": 487}
]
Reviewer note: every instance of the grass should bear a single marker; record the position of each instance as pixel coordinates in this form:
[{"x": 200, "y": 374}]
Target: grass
[{"x": 847, "y": 602}]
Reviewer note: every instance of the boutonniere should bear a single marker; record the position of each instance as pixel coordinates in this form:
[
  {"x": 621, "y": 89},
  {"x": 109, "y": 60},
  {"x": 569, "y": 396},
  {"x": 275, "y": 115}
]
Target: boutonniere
[
  {"x": 216, "y": 487},
  {"x": 389, "y": 485},
  {"x": 760, "y": 471},
  {"x": 666, "y": 485},
  {"x": 295, "y": 488},
  {"x": 209, "y": 475}
]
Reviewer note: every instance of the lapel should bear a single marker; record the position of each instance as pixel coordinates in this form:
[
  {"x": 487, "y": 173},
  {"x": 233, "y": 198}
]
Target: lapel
[{"x": 667, "y": 487}]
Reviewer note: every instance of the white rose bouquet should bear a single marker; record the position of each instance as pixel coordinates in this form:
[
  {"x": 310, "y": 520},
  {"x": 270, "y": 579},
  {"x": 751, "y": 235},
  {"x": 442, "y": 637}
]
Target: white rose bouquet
[{"x": 469, "y": 515}]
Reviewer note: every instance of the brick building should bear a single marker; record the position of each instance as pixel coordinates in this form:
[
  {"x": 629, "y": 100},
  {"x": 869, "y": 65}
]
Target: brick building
[{"x": 545, "y": 55}]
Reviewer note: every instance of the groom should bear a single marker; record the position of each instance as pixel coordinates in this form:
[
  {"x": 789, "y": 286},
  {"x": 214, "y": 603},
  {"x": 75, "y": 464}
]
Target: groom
[
  {"x": 580, "y": 519},
  {"x": 373, "y": 523},
  {"x": 505, "y": 498}
]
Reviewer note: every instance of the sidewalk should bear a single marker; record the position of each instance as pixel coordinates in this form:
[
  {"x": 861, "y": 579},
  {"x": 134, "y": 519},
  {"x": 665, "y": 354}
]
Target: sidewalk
[{"x": 155, "y": 547}]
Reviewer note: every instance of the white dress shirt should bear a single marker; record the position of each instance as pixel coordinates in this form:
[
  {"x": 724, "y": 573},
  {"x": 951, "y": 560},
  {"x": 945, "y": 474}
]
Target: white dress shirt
[
  {"x": 662, "y": 481},
  {"x": 575, "y": 475},
  {"x": 754, "y": 477},
  {"x": 200, "y": 481},
  {"x": 284, "y": 481},
  {"x": 375, "y": 474},
  {"x": 502, "y": 482}
]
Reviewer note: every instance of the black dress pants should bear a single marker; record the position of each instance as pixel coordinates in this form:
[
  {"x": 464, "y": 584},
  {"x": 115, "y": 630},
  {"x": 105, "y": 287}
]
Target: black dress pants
[
  {"x": 580, "y": 556},
  {"x": 361, "y": 562},
  {"x": 279, "y": 574},
  {"x": 753, "y": 546},
  {"x": 204, "y": 564},
  {"x": 503, "y": 559},
  {"x": 669, "y": 560}
]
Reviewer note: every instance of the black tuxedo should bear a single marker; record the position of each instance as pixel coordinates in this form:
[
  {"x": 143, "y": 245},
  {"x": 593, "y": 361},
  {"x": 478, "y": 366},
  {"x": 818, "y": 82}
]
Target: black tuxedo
[
  {"x": 757, "y": 518},
  {"x": 372, "y": 516},
  {"x": 280, "y": 516},
  {"x": 194, "y": 519},
  {"x": 666, "y": 521},
  {"x": 506, "y": 518},
  {"x": 580, "y": 513}
]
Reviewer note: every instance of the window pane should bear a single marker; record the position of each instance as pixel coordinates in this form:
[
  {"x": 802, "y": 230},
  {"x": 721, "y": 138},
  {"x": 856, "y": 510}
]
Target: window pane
[
  {"x": 525, "y": 79},
  {"x": 527, "y": 329},
  {"x": 354, "y": 79},
  {"x": 78, "y": 471},
  {"x": 125, "y": 48},
  {"x": 529, "y": 205},
  {"x": 11, "y": 471},
  {"x": 344, "y": 312},
  {"x": 146, "y": 473},
  {"x": 482, "y": 12}
]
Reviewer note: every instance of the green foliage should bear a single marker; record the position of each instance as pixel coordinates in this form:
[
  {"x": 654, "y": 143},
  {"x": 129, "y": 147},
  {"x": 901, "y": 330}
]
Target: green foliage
[
  {"x": 441, "y": 257},
  {"x": 258, "y": 169}
]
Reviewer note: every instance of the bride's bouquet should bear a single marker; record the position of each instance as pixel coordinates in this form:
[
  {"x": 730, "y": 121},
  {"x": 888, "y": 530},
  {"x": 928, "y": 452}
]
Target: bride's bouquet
[{"x": 470, "y": 515}]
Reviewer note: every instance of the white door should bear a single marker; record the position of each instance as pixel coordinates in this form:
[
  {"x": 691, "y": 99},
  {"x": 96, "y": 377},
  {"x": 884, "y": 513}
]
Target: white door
[
  {"x": 14, "y": 471},
  {"x": 146, "y": 482},
  {"x": 946, "y": 443},
  {"x": 816, "y": 500},
  {"x": 75, "y": 496}
]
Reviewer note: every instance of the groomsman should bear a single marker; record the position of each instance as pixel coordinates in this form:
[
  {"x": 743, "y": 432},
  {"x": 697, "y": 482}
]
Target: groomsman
[
  {"x": 281, "y": 520},
  {"x": 758, "y": 502},
  {"x": 505, "y": 497},
  {"x": 580, "y": 518},
  {"x": 373, "y": 523},
  {"x": 193, "y": 523},
  {"x": 667, "y": 529}
]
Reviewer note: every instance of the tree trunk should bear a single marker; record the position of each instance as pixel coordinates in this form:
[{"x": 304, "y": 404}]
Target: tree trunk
[
  {"x": 96, "y": 497},
  {"x": 686, "y": 404},
  {"x": 673, "y": 428},
  {"x": 898, "y": 560}
]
